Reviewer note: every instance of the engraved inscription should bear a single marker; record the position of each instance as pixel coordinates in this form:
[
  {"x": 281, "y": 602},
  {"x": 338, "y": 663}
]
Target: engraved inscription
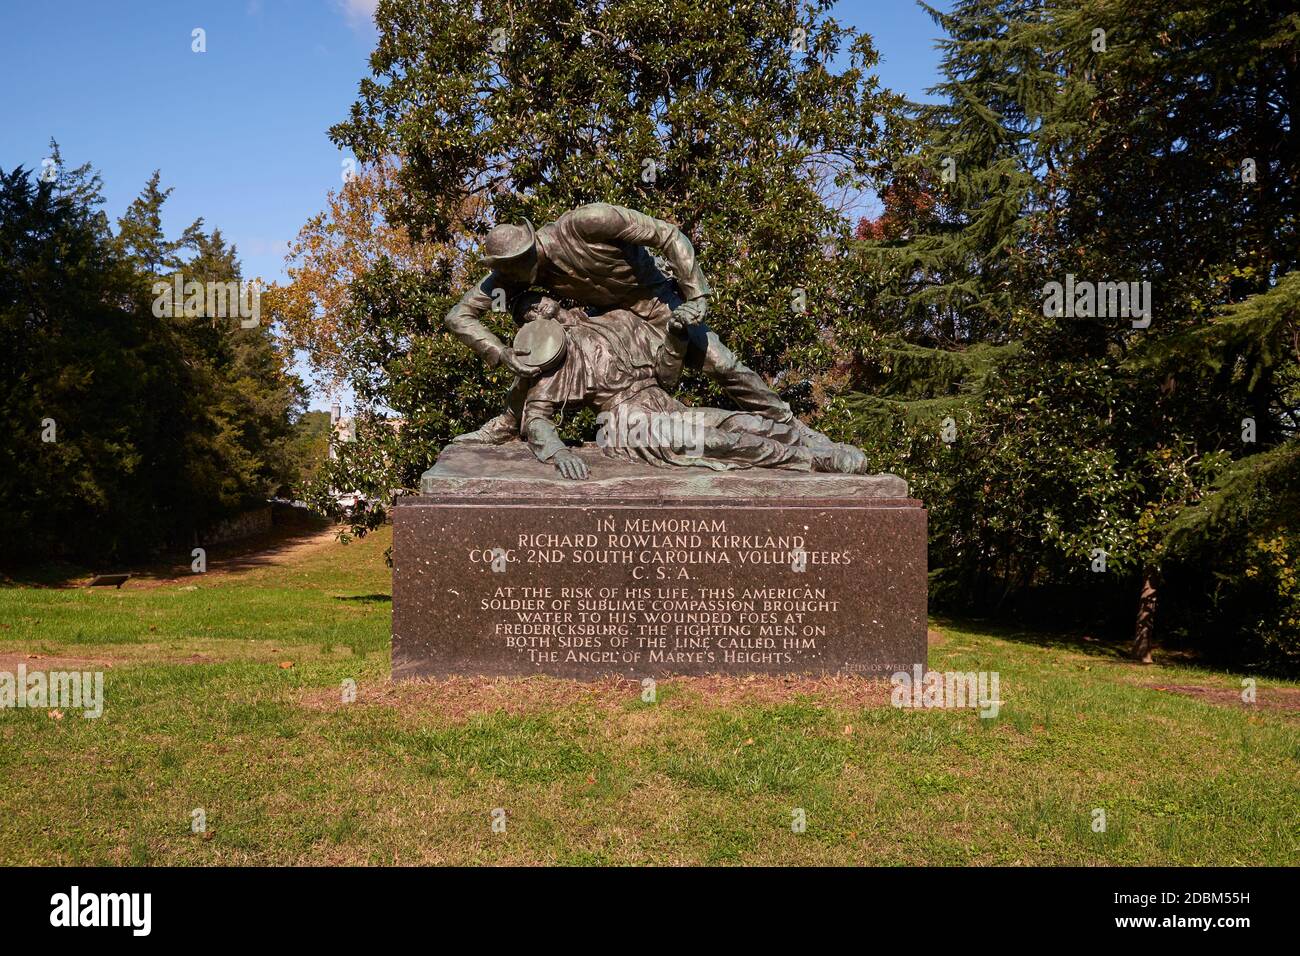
[{"x": 663, "y": 618}]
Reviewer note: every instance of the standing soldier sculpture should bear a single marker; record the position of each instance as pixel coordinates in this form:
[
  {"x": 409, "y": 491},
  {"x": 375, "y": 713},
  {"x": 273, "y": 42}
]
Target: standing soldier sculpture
[{"x": 598, "y": 257}]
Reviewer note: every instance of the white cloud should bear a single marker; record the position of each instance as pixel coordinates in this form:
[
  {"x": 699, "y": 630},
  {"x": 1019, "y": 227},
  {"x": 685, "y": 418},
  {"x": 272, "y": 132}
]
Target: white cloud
[{"x": 360, "y": 14}]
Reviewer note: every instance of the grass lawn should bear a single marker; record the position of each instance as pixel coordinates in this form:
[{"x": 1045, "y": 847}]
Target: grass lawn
[{"x": 223, "y": 693}]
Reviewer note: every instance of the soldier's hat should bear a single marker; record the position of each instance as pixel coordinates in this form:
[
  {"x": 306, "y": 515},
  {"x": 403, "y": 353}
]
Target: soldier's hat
[{"x": 508, "y": 241}]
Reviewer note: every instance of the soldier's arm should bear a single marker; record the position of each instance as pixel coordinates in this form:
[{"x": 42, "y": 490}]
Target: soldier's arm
[
  {"x": 465, "y": 320},
  {"x": 544, "y": 440},
  {"x": 539, "y": 429},
  {"x": 603, "y": 221},
  {"x": 670, "y": 356}
]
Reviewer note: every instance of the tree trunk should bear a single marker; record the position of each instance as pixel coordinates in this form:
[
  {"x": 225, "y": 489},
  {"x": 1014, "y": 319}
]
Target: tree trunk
[{"x": 1145, "y": 630}]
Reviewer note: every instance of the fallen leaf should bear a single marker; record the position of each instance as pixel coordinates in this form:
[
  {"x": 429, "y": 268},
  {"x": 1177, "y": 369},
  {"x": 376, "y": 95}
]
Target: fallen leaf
[
  {"x": 285, "y": 665},
  {"x": 749, "y": 742},
  {"x": 56, "y": 715},
  {"x": 848, "y": 730}
]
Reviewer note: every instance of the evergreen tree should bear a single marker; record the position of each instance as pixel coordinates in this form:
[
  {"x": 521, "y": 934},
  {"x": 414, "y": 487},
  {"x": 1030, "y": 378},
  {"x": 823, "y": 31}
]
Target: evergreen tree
[
  {"x": 96, "y": 399},
  {"x": 127, "y": 430},
  {"x": 1105, "y": 141},
  {"x": 140, "y": 233}
]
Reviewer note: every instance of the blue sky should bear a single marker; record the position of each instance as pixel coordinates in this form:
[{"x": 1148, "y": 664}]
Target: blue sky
[{"x": 239, "y": 131}]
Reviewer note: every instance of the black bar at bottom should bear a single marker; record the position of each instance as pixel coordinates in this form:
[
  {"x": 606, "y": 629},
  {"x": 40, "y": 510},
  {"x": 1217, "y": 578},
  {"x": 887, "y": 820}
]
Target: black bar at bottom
[{"x": 335, "y": 906}]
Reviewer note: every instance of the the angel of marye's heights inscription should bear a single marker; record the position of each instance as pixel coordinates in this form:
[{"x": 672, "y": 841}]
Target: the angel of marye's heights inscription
[
  {"x": 657, "y": 572},
  {"x": 676, "y": 626},
  {"x": 679, "y": 624}
]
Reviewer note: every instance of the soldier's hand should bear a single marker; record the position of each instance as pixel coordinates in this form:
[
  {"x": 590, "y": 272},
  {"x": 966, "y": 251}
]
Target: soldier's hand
[
  {"x": 570, "y": 465},
  {"x": 511, "y": 361},
  {"x": 691, "y": 312}
]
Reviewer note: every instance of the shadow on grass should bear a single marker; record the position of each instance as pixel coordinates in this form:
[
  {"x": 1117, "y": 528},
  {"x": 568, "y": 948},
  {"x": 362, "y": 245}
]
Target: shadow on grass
[
  {"x": 291, "y": 528},
  {"x": 1080, "y": 642},
  {"x": 1102, "y": 647},
  {"x": 365, "y": 598}
]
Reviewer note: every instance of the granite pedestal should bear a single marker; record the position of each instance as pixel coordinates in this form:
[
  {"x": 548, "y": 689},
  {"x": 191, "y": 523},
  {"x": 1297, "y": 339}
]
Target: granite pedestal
[{"x": 502, "y": 567}]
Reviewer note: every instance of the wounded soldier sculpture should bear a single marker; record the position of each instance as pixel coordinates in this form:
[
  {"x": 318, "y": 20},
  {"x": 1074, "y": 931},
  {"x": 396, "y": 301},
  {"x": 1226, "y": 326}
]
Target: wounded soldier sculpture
[
  {"x": 622, "y": 350},
  {"x": 615, "y": 364}
]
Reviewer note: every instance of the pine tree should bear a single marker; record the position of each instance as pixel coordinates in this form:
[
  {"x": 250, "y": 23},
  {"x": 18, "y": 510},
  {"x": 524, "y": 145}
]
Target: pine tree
[
  {"x": 1106, "y": 141},
  {"x": 140, "y": 233}
]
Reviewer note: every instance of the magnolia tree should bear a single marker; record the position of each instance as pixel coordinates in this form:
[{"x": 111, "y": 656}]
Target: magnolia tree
[{"x": 753, "y": 127}]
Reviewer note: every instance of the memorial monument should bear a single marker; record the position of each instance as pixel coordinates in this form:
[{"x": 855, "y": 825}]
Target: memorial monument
[{"x": 680, "y": 540}]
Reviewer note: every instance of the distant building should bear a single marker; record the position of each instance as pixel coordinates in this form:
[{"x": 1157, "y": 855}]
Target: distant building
[{"x": 344, "y": 429}]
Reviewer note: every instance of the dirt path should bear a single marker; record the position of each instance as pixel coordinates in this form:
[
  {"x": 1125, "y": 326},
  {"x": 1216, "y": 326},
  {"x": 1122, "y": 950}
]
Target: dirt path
[
  {"x": 293, "y": 538},
  {"x": 1268, "y": 698},
  {"x": 277, "y": 552}
]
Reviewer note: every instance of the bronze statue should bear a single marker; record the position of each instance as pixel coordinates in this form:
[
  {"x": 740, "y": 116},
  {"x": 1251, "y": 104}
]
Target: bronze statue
[
  {"x": 613, "y": 362},
  {"x": 598, "y": 256}
]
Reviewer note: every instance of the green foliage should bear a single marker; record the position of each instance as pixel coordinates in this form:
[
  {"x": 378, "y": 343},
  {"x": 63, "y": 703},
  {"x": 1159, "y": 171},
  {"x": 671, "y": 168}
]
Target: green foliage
[
  {"x": 125, "y": 430},
  {"x": 308, "y": 447},
  {"x": 252, "y": 398},
  {"x": 1117, "y": 159},
  {"x": 961, "y": 264},
  {"x": 140, "y": 236},
  {"x": 1246, "y": 532}
]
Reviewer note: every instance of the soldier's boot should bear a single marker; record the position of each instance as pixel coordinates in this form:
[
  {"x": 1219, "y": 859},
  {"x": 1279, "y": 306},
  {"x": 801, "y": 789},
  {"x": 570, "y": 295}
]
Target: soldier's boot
[
  {"x": 498, "y": 431},
  {"x": 811, "y": 438},
  {"x": 840, "y": 458},
  {"x": 505, "y": 427},
  {"x": 747, "y": 389}
]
